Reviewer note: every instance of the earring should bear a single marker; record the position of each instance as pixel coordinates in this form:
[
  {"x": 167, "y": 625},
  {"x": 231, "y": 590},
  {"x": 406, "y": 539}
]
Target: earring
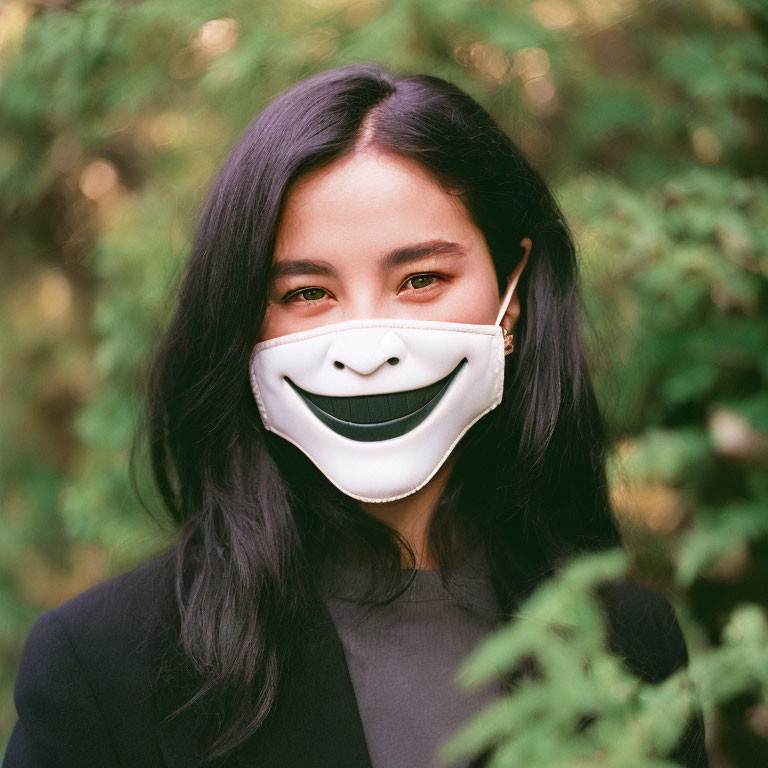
[{"x": 509, "y": 347}]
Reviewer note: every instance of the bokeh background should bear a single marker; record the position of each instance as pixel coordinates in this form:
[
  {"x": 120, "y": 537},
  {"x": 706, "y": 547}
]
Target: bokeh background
[{"x": 649, "y": 119}]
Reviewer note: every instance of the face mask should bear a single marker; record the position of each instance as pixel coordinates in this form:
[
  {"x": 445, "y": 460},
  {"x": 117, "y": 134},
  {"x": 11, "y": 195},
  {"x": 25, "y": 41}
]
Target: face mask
[{"x": 378, "y": 405}]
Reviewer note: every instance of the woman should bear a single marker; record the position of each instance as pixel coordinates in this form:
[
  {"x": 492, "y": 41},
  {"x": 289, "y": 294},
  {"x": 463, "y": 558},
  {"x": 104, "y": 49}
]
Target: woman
[{"x": 373, "y": 423}]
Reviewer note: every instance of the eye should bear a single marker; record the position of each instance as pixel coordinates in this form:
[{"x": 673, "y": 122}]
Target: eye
[
  {"x": 305, "y": 294},
  {"x": 420, "y": 281}
]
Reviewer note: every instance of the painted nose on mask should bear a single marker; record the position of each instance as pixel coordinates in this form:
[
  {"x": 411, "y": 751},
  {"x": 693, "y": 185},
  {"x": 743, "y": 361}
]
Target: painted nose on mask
[{"x": 356, "y": 352}]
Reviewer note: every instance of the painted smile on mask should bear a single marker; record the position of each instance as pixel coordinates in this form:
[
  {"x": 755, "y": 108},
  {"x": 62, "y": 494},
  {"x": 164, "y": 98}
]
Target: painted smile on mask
[{"x": 369, "y": 418}]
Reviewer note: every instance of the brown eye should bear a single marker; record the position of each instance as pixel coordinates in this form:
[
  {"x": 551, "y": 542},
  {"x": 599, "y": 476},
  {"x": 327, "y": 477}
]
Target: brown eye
[
  {"x": 421, "y": 281},
  {"x": 308, "y": 294},
  {"x": 312, "y": 294}
]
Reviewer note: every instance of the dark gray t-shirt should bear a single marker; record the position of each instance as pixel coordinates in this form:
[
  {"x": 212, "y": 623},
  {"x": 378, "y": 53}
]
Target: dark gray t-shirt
[{"x": 402, "y": 658}]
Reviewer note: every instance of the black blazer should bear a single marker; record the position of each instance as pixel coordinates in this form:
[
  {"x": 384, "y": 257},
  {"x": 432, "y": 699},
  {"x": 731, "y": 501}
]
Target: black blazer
[{"x": 84, "y": 688}]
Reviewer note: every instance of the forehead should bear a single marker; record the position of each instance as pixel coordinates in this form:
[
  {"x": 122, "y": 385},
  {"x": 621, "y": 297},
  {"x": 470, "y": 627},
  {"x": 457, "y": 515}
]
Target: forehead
[{"x": 371, "y": 203}]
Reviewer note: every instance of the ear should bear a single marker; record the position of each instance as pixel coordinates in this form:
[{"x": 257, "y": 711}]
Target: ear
[{"x": 510, "y": 304}]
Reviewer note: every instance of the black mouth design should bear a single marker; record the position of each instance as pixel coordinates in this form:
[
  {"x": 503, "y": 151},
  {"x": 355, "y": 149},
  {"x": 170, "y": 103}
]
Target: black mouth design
[{"x": 369, "y": 418}]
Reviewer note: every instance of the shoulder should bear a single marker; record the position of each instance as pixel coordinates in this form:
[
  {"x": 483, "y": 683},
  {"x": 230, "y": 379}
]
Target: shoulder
[
  {"x": 111, "y": 634},
  {"x": 642, "y": 627},
  {"x": 118, "y": 613},
  {"x": 83, "y": 689}
]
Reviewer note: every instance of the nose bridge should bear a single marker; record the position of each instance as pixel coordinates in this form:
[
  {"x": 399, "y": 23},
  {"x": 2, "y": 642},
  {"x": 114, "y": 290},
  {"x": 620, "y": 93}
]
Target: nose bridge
[
  {"x": 365, "y": 353},
  {"x": 366, "y": 303}
]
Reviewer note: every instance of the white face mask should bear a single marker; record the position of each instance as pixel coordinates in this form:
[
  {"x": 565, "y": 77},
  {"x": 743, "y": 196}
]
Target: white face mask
[{"x": 378, "y": 405}]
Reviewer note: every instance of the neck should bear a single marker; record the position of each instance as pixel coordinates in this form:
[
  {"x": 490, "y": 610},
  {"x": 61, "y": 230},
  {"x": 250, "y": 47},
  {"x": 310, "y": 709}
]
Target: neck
[{"x": 411, "y": 516}]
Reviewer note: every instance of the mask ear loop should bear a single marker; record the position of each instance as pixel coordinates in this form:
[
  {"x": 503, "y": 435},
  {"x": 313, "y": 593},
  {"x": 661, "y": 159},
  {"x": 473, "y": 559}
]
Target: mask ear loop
[
  {"x": 508, "y": 345},
  {"x": 505, "y": 301}
]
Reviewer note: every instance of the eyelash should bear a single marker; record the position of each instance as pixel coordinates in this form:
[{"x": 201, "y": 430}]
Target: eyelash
[{"x": 292, "y": 295}]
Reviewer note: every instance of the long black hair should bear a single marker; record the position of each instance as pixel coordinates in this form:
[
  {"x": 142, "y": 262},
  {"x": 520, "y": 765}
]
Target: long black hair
[{"x": 257, "y": 521}]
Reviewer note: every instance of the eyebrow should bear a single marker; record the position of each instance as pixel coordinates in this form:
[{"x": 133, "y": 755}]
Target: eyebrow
[{"x": 397, "y": 257}]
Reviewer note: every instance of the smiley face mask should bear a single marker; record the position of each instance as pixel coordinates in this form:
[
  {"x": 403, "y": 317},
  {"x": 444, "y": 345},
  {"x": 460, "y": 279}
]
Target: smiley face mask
[{"x": 378, "y": 405}]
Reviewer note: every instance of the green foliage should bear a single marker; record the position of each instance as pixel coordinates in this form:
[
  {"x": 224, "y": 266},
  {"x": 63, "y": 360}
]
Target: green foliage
[
  {"x": 560, "y": 626},
  {"x": 634, "y": 724},
  {"x": 649, "y": 118}
]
